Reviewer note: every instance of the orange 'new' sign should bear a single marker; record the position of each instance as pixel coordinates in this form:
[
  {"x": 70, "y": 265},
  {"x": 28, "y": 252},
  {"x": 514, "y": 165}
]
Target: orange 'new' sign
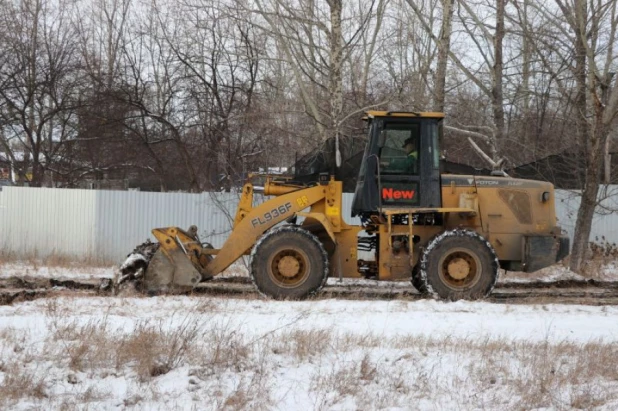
[{"x": 392, "y": 194}]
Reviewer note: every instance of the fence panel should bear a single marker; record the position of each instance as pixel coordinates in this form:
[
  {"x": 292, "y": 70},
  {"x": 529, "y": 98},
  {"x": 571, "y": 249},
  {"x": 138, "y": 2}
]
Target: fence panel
[
  {"x": 106, "y": 225},
  {"x": 124, "y": 219},
  {"x": 605, "y": 222},
  {"x": 43, "y": 221}
]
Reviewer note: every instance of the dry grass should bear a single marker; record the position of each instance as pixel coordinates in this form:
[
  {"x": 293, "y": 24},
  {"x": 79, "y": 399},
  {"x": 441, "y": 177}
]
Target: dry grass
[
  {"x": 7, "y": 256},
  {"x": 600, "y": 254},
  {"x": 53, "y": 260},
  {"x": 20, "y": 379},
  {"x": 149, "y": 350},
  {"x": 20, "y": 382},
  {"x": 96, "y": 349},
  {"x": 303, "y": 344},
  {"x": 537, "y": 374},
  {"x": 67, "y": 261},
  {"x": 220, "y": 362},
  {"x": 522, "y": 375}
]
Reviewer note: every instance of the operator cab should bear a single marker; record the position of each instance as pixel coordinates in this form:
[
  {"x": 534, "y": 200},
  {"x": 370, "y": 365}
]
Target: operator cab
[{"x": 401, "y": 163}]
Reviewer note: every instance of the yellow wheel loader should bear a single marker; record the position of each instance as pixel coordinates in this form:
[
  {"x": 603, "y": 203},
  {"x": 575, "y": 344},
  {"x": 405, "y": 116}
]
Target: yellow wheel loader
[{"x": 448, "y": 234}]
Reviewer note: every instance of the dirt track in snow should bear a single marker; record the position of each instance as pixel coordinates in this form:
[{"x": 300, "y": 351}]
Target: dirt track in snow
[{"x": 590, "y": 292}]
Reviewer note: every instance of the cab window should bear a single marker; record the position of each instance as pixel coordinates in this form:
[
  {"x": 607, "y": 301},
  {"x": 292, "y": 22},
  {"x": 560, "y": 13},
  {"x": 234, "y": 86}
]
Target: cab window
[{"x": 399, "y": 153}]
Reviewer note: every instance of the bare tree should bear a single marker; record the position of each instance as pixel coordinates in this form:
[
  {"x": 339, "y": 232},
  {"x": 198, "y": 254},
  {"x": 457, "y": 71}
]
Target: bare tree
[
  {"x": 444, "y": 46},
  {"x": 152, "y": 85},
  {"x": 221, "y": 76},
  {"x": 582, "y": 39},
  {"x": 316, "y": 39},
  {"x": 490, "y": 48},
  {"x": 102, "y": 29},
  {"x": 40, "y": 83},
  {"x": 360, "y": 60},
  {"x": 409, "y": 56}
]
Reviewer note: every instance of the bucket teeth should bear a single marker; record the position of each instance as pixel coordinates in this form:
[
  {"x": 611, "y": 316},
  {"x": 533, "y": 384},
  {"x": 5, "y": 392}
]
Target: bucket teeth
[
  {"x": 136, "y": 263},
  {"x": 157, "y": 267}
]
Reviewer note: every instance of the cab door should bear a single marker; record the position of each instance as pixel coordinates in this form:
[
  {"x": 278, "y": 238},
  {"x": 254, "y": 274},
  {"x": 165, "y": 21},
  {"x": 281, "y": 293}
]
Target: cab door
[{"x": 409, "y": 179}]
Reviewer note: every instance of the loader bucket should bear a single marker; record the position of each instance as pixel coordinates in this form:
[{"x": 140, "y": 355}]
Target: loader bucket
[
  {"x": 173, "y": 264},
  {"x": 170, "y": 270}
]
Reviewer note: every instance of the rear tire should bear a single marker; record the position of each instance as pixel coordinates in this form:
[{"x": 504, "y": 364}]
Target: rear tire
[
  {"x": 289, "y": 262},
  {"x": 458, "y": 264},
  {"x": 417, "y": 282}
]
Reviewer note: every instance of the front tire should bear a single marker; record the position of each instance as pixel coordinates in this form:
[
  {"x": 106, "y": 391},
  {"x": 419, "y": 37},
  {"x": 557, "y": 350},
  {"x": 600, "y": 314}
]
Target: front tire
[
  {"x": 289, "y": 262},
  {"x": 458, "y": 264}
]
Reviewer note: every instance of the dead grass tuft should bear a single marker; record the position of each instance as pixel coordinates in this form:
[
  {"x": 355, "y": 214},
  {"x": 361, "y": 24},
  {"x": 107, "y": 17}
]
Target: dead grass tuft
[
  {"x": 603, "y": 251},
  {"x": 7, "y": 256},
  {"x": 92, "y": 394},
  {"x": 153, "y": 350},
  {"x": 237, "y": 400},
  {"x": 53, "y": 260},
  {"x": 336, "y": 380},
  {"x": 543, "y": 375},
  {"x": 367, "y": 370},
  {"x": 600, "y": 253},
  {"x": 150, "y": 350},
  {"x": 303, "y": 344},
  {"x": 227, "y": 349},
  {"x": 13, "y": 339},
  {"x": 20, "y": 382}
]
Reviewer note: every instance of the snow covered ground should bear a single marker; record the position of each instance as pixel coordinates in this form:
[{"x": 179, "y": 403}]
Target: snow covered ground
[
  {"x": 249, "y": 353},
  {"x": 78, "y": 271},
  {"x": 212, "y": 353},
  {"x": 606, "y": 272},
  {"x": 30, "y": 269}
]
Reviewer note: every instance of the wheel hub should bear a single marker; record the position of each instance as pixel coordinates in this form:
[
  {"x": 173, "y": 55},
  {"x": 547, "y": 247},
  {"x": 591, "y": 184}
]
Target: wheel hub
[
  {"x": 288, "y": 266},
  {"x": 458, "y": 268}
]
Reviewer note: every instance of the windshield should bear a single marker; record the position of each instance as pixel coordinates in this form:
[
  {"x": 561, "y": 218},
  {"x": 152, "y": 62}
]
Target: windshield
[{"x": 400, "y": 152}]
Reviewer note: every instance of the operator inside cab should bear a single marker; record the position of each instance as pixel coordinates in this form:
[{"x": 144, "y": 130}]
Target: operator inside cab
[
  {"x": 398, "y": 162},
  {"x": 411, "y": 161}
]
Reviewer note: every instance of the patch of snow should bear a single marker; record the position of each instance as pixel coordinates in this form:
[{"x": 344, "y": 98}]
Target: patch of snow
[
  {"x": 609, "y": 272},
  {"x": 21, "y": 269},
  {"x": 332, "y": 354},
  {"x": 558, "y": 272},
  {"x": 323, "y": 354},
  {"x": 132, "y": 259}
]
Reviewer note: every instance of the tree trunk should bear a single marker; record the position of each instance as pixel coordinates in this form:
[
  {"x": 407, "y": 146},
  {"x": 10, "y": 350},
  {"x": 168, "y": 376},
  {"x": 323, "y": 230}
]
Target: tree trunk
[
  {"x": 589, "y": 194},
  {"x": 607, "y": 162},
  {"x": 336, "y": 59},
  {"x": 585, "y": 213},
  {"x": 523, "y": 90},
  {"x": 444, "y": 46},
  {"x": 497, "y": 95},
  {"x": 37, "y": 174}
]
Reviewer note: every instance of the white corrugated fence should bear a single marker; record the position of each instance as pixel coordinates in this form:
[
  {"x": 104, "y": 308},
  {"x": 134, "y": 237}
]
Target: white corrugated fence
[{"x": 106, "y": 225}]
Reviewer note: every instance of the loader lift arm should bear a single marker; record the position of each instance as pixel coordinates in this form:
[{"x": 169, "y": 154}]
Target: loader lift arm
[
  {"x": 258, "y": 220},
  {"x": 182, "y": 261}
]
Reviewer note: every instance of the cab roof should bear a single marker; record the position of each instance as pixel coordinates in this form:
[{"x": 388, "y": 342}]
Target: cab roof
[{"x": 413, "y": 114}]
